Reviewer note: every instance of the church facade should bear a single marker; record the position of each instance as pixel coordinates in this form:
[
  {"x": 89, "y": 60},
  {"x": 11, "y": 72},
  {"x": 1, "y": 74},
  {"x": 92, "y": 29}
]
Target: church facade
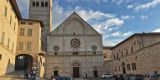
[{"x": 74, "y": 49}]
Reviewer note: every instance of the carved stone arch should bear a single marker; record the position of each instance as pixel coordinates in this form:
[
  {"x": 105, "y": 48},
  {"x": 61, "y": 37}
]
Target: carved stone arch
[{"x": 76, "y": 63}]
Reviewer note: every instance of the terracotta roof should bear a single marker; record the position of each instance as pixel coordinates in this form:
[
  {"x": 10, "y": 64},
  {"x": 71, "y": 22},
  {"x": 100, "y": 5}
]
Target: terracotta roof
[
  {"x": 15, "y": 8},
  {"x": 136, "y": 34}
]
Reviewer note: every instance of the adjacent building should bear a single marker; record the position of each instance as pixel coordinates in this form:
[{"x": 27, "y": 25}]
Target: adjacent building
[
  {"x": 20, "y": 40},
  {"x": 74, "y": 49},
  {"x": 29, "y": 44},
  {"x": 9, "y": 17},
  {"x": 138, "y": 54}
]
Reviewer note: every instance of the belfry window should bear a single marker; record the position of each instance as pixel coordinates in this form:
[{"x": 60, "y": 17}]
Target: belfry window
[
  {"x": 33, "y": 4},
  {"x": 46, "y": 4},
  {"x": 42, "y": 4},
  {"x": 37, "y": 4}
]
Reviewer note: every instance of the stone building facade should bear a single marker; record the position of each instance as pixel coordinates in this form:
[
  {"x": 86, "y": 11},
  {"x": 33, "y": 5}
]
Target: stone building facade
[
  {"x": 107, "y": 53},
  {"x": 42, "y": 10},
  {"x": 28, "y": 50},
  {"x": 74, "y": 49},
  {"x": 19, "y": 38},
  {"x": 9, "y": 17},
  {"x": 138, "y": 54}
]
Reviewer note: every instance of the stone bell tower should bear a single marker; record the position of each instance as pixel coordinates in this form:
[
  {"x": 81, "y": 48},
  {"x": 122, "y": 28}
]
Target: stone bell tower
[{"x": 42, "y": 10}]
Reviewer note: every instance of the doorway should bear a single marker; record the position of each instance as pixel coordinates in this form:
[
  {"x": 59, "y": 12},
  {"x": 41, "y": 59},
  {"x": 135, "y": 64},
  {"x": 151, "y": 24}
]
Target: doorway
[
  {"x": 76, "y": 72},
  {"x": 95, "y": 73}
]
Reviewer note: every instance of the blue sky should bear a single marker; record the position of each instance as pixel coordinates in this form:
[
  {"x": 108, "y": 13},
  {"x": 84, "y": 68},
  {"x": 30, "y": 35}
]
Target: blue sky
[{"x": 115, "y": 19}]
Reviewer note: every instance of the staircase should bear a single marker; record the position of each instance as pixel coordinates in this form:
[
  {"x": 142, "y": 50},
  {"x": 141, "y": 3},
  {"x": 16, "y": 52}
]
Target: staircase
[{"x": 17, "y": 75}]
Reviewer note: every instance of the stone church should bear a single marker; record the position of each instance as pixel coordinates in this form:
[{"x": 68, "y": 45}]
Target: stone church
[{"x": 74, "y": 49}]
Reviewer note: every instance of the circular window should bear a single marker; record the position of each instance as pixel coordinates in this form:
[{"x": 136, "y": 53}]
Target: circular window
[{"x": 75, "y": 43}]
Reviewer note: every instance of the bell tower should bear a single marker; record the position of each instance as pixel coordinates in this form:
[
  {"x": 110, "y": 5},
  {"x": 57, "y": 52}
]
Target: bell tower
[{"x": 42, "y": 10}]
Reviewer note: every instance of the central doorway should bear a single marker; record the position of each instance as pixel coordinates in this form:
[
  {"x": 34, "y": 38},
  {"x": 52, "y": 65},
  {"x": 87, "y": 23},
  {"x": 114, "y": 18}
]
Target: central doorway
[
  {"x": 23, "y": 62},
  {"x": 76, "y": 70}
]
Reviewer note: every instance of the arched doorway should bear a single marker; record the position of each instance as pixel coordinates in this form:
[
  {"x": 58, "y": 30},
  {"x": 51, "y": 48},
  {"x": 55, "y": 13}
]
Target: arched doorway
[
  {"x": 76, "y": 70},
  {"x": 23, "y": 62}
]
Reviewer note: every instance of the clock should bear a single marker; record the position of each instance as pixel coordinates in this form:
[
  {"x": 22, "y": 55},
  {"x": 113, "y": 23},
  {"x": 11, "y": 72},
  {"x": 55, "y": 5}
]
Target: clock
[{"x": 75, "y": 43}]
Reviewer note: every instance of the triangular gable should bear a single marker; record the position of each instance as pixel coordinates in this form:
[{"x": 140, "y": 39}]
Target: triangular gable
[{"x": 72, "y": 16}]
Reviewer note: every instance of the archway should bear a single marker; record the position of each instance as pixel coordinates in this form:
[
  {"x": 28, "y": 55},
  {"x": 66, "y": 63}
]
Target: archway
[
  {"x": 23, "y": 62},
  {"x": 76, "y": 70}
]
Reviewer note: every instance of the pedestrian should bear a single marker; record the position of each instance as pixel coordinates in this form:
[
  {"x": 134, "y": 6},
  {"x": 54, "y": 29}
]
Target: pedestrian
[
  {"x": 86, "y": 75},
  {"x": 121, "y": 77},
  {"x": 115, "y": 77},
  {"x": 52, "y": 78}
]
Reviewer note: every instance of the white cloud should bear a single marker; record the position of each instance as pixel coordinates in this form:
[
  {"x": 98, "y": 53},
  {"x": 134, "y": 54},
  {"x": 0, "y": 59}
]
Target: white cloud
[
  {"x": 153, "y": 3},
  {"x": 156, "y": 30},
  {"x": 114, "y": 22},
  {"x": 117, "y": 34},
  {"x": 90, "y": 14}
]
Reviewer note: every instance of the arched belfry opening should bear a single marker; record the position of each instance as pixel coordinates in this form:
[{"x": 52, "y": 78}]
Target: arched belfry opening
[{"x": 23, "y": 62}]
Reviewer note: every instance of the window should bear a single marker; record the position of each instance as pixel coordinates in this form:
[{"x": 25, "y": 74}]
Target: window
[
  {"x": 14, "y": 26},
  {"x": 128, "y": 67},
  {"x": 131, "y": 49},
  {"x": 133, "y": 66},
  {"x": 114, "y": 57},
  {"x": 3, "y": 37},
  {"x": 46, "y": 4},
  {"x": 121, "y": 54},
  {"x": 0, "y": 56},
  {"x": 8, "y": 43},
  {"x": 55, "y": 53},
  {"x": 22, "y": 22},
  {"x": 33, "y": 4},
  {"x": 30, "y": 23},
  {"x": 29, "y": 32},
  {"x": 37, "y": 4},
  {"x": 10, "y": 19},
  {"x": 105, "y": 57},
  {"x": 126, "y": 52},
  {"x": 75, "y": 53},
  {"x": 42, "y": 4},
  {"x": 21, "y": 45},
  {"x": 29, "y": 46},
  {"x": 22, "y": 32},
  {"x": 5, "y": 13},
  {"x": 12, "y": 46},
  {"x": 94, "y": 52}
]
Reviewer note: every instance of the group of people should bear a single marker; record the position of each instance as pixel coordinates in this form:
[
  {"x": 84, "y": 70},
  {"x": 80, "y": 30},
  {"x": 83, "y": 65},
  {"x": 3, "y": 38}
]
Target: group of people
[
  {"x": 118, "y": 77},
  {"x": 30, "y": 74}
]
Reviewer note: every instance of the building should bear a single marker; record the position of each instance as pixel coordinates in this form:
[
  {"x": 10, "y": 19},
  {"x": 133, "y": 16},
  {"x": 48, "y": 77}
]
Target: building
[
  {"x": 74, "y": 49},
  {"x": 138, "y": 54},
  {"x": 42, "y": 10},
  {"x": 9, "y": 17},
  {"x": 20, "y": 40},
  {"x": 107, "y": 53},
  {"x": 28, "y": 48}
]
